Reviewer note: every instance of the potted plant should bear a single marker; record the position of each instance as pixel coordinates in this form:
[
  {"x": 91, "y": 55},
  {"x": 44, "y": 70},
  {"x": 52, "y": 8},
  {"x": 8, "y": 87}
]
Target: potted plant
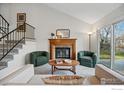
[{"x": 52, "y": 35}]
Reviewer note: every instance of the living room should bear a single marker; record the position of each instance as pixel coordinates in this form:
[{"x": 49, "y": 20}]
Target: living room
[{"x": 83, "y": 26}]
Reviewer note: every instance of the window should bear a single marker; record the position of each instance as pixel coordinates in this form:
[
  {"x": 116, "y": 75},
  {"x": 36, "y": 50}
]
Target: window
[
  {"x": 111, "y": 46},
  {"x": 118, "y": 64},
  {"x": 105, "y": 46}
]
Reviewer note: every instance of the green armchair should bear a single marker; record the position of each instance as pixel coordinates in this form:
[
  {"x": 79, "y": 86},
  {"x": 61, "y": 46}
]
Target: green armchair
[
  {"x": 87, "y": 58},
  {"x": 39, "y": 58}
]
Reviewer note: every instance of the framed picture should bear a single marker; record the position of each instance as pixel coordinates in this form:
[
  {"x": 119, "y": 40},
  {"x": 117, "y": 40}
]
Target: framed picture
[
  {"x": 20, "y": 27},
  {"x": 21, "y": 17},
  {"x": 63, "y": 33}
]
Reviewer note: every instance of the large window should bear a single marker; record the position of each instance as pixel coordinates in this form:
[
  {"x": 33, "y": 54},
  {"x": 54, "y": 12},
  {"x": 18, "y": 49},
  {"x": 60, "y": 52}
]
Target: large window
[
  {"x": 118, "y": 63},
  {"x": 111, "y": 46},
  {"x": 105, "y": 46}
]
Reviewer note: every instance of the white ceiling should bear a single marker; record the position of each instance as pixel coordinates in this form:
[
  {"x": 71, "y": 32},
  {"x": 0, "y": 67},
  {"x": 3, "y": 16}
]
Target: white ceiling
[{"x": 87, "y": 12}]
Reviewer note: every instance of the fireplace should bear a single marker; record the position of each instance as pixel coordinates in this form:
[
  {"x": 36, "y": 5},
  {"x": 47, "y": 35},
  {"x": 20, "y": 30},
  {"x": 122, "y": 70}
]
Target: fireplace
[
  {"x": 62, "y": 48},
  {"x": 62, "y": 52}
]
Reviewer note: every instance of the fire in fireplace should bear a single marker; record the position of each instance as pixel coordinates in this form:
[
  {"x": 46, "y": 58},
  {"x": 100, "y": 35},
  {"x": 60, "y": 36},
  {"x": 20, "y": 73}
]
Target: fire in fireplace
[{"x": 62, "y": 52}]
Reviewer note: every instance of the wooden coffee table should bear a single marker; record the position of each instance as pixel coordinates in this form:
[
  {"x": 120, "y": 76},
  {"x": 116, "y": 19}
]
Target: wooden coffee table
[{"x": 73, "y": 64}]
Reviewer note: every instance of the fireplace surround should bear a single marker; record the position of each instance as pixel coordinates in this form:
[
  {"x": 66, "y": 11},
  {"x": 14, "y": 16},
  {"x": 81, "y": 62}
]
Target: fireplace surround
[{"x": 63, "y": 45}]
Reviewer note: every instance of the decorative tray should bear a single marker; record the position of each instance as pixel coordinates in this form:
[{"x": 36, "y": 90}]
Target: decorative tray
[
  {"x": 61, "y": 61},
  {"x": 64, "y": 80}
]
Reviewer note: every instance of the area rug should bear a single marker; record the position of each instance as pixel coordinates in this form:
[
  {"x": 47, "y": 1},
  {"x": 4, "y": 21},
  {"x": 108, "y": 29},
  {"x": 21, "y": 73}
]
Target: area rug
[{"x": 80, "y": 70}]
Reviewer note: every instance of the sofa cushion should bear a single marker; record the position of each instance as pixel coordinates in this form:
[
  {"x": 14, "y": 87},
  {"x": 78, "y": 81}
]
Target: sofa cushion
[
  {"x": 41, "y": 60},
  {"x": 88, "y": 53},
  {"x": 86, "y": 59},
  {"x": 20, "y": 76}
]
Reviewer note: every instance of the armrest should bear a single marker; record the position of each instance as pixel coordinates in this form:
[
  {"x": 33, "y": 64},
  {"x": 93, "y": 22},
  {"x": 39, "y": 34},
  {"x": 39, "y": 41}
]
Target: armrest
[
  {"x": 80, "y": 54},
  {"x": 33, "y": 57},
  {"x": 46, "y": 54},
  {"x": 94, "y": 57}
]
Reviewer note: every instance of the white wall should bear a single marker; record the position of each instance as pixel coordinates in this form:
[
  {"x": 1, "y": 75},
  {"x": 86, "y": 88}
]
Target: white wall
[
  {"x": 111, "y": 18},
  {"x": 19, "y": 59},
  {"x": 0, "y": 8},
  {"x": 46, "y": 20},
  {"x": 5, "y": 11}
]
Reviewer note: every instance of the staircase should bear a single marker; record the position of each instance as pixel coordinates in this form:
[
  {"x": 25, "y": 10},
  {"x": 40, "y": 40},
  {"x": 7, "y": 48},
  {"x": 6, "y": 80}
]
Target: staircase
[
  {"x": 11, "y": 41},
  {"x": 10, "y": 56}
]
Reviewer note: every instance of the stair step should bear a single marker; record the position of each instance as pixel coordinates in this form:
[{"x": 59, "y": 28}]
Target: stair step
[
  {"x": 10, "y": 55},
  {"x": 14, "y": 51},
  {"x": 2, "y": 67},
  {"x": 13, "y": 41},
  {"x": 5, "y": 46},
  {"x": 5, "y": 60},
  {"x": 7, "y": 56}
]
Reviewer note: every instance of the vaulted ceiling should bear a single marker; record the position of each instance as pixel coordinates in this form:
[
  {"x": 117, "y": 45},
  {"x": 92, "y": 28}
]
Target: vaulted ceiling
[{"x": 88, "y": 12}]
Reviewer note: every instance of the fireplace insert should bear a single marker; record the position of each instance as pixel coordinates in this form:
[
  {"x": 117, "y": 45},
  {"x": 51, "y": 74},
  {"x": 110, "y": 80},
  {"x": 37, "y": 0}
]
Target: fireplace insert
[{"x": 62, "y": 52}]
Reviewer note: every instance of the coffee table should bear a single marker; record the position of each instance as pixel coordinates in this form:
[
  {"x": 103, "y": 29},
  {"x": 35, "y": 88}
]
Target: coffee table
[{"x": 55, "y": 65}]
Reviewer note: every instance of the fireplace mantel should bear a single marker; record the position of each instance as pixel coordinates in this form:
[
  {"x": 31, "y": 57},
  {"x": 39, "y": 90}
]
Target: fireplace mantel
[{"x": 70, "y": 42}]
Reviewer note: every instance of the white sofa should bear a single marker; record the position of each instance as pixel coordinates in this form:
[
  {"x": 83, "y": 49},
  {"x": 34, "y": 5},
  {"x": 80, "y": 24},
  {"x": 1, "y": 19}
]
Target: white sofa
[{"x": 25, "y": 76}]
